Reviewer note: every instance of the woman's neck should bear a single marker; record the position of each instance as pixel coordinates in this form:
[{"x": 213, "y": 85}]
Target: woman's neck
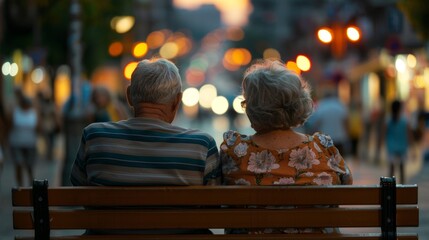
[{"x": 279, "y": 139}]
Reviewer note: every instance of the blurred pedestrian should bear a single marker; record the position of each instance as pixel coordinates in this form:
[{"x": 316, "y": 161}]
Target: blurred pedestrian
[
  {"x": 106, "y": 107},
  {"x": 50, "y": 123},
  {"x": 23, "y": 137},
  {"x": 100, "y": 100},
  {"x": 418, "y": 121},
  {"x": 355, "y": 128},
  {"x": 276, "y": 101},
  {"x": 331, "y": 118},
  {"x": 398, "y": 136}
]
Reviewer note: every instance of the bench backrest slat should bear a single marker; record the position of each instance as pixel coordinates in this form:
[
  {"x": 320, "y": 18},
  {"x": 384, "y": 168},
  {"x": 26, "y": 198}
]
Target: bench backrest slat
[
  {"x": 217, "y": 218},
  {"x": 215, "y": 195}
]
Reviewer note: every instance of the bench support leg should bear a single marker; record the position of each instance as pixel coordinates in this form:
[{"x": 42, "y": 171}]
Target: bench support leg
[
  {"x": 388, "y": 208},
  {"x": 41, "y": 210}
]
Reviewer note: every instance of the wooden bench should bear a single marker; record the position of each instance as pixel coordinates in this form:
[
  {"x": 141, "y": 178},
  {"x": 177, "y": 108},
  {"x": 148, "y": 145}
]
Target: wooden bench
[{"x": 383, "y": 208}]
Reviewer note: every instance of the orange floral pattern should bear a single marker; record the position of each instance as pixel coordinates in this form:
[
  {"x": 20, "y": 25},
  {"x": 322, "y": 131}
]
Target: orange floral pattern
[{"x": 314, "y": 162}]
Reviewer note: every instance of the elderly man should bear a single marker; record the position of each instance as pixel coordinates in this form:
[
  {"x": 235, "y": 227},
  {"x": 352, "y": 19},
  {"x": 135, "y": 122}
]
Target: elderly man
[{"x": 147, "y": 149}]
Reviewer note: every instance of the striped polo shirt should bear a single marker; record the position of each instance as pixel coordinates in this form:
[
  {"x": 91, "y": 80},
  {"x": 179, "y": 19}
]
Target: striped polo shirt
[{"x": 145, "y": 151}]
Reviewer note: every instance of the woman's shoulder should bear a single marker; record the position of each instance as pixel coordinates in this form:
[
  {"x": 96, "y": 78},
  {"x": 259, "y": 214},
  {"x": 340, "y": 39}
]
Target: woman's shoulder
[
  {"x": 231, "y": 138},
  {"x": 321, "y": 139}
]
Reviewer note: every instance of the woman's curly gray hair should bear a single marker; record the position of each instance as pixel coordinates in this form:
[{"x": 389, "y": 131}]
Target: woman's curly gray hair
[{"x": 275, "y": 97}]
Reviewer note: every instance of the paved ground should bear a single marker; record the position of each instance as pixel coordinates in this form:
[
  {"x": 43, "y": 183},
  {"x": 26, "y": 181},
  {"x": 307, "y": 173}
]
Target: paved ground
[{"x": 363, "y": 172}]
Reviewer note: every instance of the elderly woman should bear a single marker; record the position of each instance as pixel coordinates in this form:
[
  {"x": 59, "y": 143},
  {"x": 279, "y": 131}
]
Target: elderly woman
[{"x": 276, "y": 101}]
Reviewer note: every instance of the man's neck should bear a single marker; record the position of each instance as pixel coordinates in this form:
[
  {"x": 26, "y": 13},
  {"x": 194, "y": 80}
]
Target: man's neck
[{"x": 152, "y": 110}]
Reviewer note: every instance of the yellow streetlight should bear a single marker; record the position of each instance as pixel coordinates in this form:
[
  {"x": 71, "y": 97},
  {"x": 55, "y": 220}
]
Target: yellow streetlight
[
  {"x": 325, "y": 35},
  {"x": 353, "y": 33},
  {"x": 338, "y": 36}
]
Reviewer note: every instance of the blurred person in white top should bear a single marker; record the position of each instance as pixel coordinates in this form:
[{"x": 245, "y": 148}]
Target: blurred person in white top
[{"x": 23, "y": 137}]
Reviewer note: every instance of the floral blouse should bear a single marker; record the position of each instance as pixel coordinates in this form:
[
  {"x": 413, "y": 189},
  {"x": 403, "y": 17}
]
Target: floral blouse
[{"x": 313, "y": 162}]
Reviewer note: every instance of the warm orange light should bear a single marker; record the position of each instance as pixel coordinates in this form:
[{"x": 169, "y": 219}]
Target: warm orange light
[
  {"x": 115, "y": 49},
  {"x": 155, "y": 39},
  {"x": 184, "y": 44},
  {"x": 62, "y": 88},
  {"x": 303, "y": 63},
  {"x": 129, "y": 69},
  {"x": 237, "y": 56},
  {"x": 228, "y": 66},
  {"x": 293, "y": 67},
  {"x": 140, "y": 49},
  {"x": 325, "y": 35},
  {"x": 353, "y": 34},
  {"x": 247, "y": 56}
]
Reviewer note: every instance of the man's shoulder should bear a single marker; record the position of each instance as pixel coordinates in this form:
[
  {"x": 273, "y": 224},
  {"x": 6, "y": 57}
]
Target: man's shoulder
[
  {"x": 194, "y": 132},
  {"x": 98, "y": 125}
]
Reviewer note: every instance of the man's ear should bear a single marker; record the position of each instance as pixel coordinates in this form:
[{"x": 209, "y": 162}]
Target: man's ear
[
  {"x": 129, "y": 97},
  {"x": 176, "y": 103}
]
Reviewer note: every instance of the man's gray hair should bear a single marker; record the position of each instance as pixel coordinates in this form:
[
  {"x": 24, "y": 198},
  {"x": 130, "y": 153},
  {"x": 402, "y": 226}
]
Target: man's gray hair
[
  {"x": 155, "y": 81},
  {"x": 275, "y": 97}
]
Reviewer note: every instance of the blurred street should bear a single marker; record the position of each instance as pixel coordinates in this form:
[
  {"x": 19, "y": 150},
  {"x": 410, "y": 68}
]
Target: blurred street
[
  {"x": 68, "y": 63},
  {"x": 364, "y": 172}
]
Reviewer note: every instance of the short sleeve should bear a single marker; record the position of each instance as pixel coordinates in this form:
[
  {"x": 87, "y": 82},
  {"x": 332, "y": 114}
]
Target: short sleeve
[
  {"x": 336, "y": 161},
  {"x": 78, "y": 175},
  {"x": 212, "y": 171}
]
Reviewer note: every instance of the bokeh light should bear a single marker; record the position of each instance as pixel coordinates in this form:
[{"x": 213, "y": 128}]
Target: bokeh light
[
  {"x": 291, "y": 65},
  {"x": 411, "y": 61},
  {"x": 122, "y": 24},
  {"x": 353, "y": 34},
  {"x": 208, "y": 93},
  {"x": 156, "y": 39},
  {"x": 190, "y": 96},
  {"x": 169, "y": 50},
  {"x": 5, "y": 68},
  {"x": 303, "y": 63},
  {"x": 271, "y": 53},
  {"x": 140, "y": 49},
  {"x": 400, "y": 64},
  {"x": 14, "y": 69},
  {"x": 116, "y": 49},
  {"x": 325, "y": 35},
  {"x": 129, "y": 69},
  {"x": 237, "y": 57},
  {"x": 62, "y": 86},
  {"x": 236, "y": 104},
  {"x": 220, "y": 105},
  {"x": 37, "y": 75}
]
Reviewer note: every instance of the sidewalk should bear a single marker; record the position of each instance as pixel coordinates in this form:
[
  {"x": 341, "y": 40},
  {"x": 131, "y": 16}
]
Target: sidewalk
[{"x": 364, "y": 173}]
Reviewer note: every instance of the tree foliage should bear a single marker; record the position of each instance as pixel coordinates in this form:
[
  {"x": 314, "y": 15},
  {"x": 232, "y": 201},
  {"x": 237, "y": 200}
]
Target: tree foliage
[
  {"x": 45, "y": 24},
  {"x": 417, "y": 12}
]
